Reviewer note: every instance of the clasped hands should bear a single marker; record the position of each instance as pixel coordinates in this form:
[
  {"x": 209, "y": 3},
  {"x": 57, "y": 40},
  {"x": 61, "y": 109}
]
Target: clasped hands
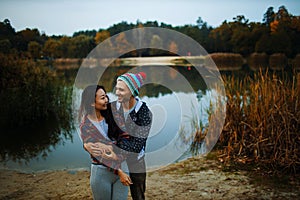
[{"x": 100, "y": 149}]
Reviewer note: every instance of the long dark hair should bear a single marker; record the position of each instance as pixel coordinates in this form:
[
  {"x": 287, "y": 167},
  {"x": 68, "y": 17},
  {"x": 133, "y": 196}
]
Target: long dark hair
[{"x": 87, "y": 99}]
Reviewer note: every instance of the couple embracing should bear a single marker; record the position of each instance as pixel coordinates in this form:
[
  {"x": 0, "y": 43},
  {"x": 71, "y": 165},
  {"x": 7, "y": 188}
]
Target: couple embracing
[{"x": 113, "y": 134}]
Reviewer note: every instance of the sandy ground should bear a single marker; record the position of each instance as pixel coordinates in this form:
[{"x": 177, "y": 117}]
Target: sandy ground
[{"x": 195, "y": 178}]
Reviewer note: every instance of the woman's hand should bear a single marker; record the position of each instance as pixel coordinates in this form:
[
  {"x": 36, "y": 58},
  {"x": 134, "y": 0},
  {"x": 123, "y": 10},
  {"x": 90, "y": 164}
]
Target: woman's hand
[
  {"x": 124, "y": 178},
  {"x": 98, "y": 148},
  {"x": 110, "y": 155}
]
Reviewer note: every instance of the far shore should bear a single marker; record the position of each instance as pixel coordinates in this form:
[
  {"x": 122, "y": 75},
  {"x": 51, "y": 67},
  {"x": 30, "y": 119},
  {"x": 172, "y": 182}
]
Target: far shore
[{"x": 223, "y": 61}]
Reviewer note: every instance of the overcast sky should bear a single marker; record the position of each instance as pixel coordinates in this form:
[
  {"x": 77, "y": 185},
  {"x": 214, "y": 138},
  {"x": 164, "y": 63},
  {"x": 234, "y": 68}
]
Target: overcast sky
[{"x": 64, "y": 17}]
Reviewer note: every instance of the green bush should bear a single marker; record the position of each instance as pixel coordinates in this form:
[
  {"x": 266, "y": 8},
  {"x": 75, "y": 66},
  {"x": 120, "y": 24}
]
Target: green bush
[{"x": 29, "y": 92}]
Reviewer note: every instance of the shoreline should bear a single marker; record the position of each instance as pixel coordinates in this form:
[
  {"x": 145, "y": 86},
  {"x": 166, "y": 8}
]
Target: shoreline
[
  {"x": 17, "y": 170},
  {"x": 194, "y": 178}
]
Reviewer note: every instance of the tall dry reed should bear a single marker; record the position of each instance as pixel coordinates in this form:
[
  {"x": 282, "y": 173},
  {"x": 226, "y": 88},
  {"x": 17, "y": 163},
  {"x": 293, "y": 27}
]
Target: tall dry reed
[{"x": 262, "y": 124}]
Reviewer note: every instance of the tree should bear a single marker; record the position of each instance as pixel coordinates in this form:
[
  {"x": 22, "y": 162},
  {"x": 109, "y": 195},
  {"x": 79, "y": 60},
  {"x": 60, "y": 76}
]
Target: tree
[
  {"x": 269, "y": 16},
  {"x": 281, "y": 43},
  {"x": 295, "y": 35},
  {"x": 282, "y": 14},
  {"x": 34, "y": 48},
  {"x": 121, "y": 43},
  {"x": 6, "y": 30},
  {"x": 101, "y": 36},
  {"x": 263, "y": 44},
  {"x": 173, "y": 48},
  {"x": 138, "y": 38},
  {"x": 5, "y": 46},
  {"x": 65, "y": 43},
  {"x": 27, "y": 35},
  {"x": 80, "y": 46},
  {"x": 274, "y": 26},
  {"x": 221, "y": 37},
  {"x": 240, "y": 39},
  {"x": 156, "y": 42},
  {"x": 201, "y": 23},
  {"x": 51, "y": 48},
  {"x": 200, "y": 33},
  {"x": 241, "y": 20},
  {"x": 91, "y": 33},
  {"x": 120, "y": 27}
]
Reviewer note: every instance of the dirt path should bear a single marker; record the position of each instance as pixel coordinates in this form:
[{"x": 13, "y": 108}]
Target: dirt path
[{"x": 195, "y": 178}]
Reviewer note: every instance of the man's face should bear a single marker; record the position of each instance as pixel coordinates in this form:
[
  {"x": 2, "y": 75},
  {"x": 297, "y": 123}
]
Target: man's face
[{"x": 122, "y": 91}]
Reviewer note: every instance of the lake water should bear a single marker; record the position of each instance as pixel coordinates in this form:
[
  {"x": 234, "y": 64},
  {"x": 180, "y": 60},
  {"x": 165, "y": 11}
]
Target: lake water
[{"x": 171, "y": 112}]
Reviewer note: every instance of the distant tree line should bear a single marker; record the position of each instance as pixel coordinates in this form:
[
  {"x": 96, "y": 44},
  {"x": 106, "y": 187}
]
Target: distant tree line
[{"x": 279, "y": 32}]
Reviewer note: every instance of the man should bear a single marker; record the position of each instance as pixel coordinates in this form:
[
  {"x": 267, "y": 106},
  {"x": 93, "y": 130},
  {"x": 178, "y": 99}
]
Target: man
[{"x": 134, "y": 117}]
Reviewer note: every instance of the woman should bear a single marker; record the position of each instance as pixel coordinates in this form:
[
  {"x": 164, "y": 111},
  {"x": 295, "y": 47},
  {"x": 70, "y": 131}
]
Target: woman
[{"x": 107, "y": 179}]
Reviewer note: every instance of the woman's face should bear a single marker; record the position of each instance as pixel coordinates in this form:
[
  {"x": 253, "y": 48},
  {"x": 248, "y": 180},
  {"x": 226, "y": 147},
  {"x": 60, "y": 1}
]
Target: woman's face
[{"x": 101, "y": 100}]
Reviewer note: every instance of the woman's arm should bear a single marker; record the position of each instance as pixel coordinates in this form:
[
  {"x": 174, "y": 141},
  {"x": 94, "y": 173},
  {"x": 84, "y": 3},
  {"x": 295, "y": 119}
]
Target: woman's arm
[
  {"x": 99, "y": 149},
  {"x": 96, "y": 148}
]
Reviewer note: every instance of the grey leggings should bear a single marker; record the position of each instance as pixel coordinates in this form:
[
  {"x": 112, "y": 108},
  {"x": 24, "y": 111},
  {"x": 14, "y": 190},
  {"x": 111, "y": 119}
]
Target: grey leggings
[{"x": 106, "y": 185}]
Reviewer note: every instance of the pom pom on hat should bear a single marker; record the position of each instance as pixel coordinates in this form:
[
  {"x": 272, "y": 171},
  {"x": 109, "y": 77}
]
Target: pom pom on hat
[{"x": 133, "y": 81}]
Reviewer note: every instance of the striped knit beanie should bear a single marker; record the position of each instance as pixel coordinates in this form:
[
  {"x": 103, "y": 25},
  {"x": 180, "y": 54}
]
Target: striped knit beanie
[{"x": 133, "y": 81}]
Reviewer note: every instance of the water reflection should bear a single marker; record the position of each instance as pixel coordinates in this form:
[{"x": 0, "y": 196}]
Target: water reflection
[
  {"x": 24, "y": 143},
  {"x": 46, "y": 150},
  {"x": 158, "y": 76},
  {"x": 55, "y": 144},
  {"x": 43, "y": 131}
]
